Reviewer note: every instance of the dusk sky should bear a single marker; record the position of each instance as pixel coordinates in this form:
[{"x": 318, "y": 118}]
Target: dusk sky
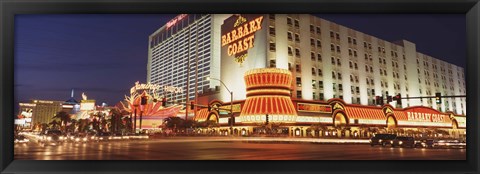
[{"x": 104, "y": 55}]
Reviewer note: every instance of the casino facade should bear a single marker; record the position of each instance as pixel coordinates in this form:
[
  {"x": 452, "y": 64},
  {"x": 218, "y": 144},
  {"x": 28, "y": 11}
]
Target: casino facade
[
  {"x": 307, "y": 75},
  {"x": 268, "y": 98}
]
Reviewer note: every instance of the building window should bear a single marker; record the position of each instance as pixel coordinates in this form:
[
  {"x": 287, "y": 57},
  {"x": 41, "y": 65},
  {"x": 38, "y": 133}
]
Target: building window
[
  {"x": 332, "y": 47},
  {"x": 338, "y": 62},
  {"x": 271, "y": 16},
  {"x": 297, "y": 38},
  {"x": 297, "y": 52},
  {"x": 321, "y": 97},
  {"x": 338, "y": 36},
  {"x": 272, "y": 31},
  {"x": 297, "y": 24},
  {"x": 312, "y": 56},
  {"x": 290, "y": 36},
  {"x": 318, "y": 30},
  {"x": 320, "y": 72},
  {"x": 338, "y": 49},
  {"x": 289, "y": 22},
  {"x": 351, "y": 64},
  {"x": 340, "y": 87},
  {"x": 299, "y": 82},
  {"x": 339, "y": 76},
  {"x": 319, "y": 57},
  {"x": 272, "y": 46},
  {"x": 290, "y": 51},
  {"x": 313, "y": 84},
  {"x": 320, "y": 84},
  {"x": 313, "y": 71},
  {"x": 332, "y": 35},
  {"x": 299, "y": 94},
  {"x": 312, "y": 42},
  {"x": 356, "y": 66},
  {"x": 333, "y": 60},
  {"x": 297, "y": 68},
  {"x": 272, "y": 64},
  {"x": 333, "y": 75},
  {"x": 312, "y": 28},
  {"x": 319, "y": 44}
]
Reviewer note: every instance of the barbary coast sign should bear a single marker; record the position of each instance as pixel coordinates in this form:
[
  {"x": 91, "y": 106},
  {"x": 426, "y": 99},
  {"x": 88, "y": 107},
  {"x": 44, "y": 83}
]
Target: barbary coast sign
[
  {"x": 426, "y": 117},
  {"x": 238, "y": 35}
]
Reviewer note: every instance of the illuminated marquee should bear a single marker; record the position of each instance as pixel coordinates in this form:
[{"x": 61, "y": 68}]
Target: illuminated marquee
[
  {"x": 239, "y": 39},
  {"x": 426, "y": 117},
  {"x": 314, "y": 108},
  {"x": 155, "y": 87},
  {"x": 175, "y": 20}
]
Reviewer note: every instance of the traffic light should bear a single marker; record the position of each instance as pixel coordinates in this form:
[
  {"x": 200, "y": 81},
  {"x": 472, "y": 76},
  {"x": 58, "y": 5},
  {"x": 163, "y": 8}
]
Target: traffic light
[
  {"x": 144, "y": 100},
  {"x": 399, "y": 99},
  {"x": 438, "y": 97},
  {"x": 164, "y": 101},
  {"x": 192, "y": 106},
  {"x": 266, "y": 119},
  {"x": 381, "y": 100},
  {"x": 389, "y": 99}
]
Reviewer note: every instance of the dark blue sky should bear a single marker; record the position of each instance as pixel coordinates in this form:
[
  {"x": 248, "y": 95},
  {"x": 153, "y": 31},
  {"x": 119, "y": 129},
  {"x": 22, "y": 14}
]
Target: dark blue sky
[{"x": 103, "y": 55}]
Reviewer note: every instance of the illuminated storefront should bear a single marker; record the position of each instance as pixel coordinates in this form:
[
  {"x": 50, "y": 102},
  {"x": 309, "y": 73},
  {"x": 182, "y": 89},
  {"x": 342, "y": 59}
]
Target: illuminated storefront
[
  {"x": 150, "y": 113},
  {"x": 268, "y": 99}
]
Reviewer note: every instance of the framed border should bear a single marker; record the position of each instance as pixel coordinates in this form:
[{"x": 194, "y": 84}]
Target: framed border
[{"x": 8, "y": 9}]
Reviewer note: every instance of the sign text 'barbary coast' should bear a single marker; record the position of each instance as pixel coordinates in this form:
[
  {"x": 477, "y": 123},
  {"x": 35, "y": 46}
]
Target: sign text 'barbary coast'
[
  {"x": 428, "y": 117},
  {"x": 238, "y": 36}
]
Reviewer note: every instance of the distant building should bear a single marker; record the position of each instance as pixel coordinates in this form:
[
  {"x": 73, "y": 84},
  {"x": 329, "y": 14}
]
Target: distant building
[{"x": 42, "y": 111}]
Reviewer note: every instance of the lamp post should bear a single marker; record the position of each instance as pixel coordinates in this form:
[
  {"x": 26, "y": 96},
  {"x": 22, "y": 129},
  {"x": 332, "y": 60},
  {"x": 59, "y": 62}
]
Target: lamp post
[
  {"x": 231, "y": 102},
  {"x": 135, "y": 118}
]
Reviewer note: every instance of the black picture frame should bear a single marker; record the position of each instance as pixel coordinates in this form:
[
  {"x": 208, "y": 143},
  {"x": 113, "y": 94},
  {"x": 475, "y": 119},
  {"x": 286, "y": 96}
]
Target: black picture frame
[{"x": 9, "y": 8}]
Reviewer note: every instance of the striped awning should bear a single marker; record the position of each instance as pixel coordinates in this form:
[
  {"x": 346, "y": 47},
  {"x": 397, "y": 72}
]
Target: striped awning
[
  {"x": 365, "y": 113},
  {"x": 202, "y": 115},
  {"x": 272, "y": 105},
  {"x": 400, "y": 115}
]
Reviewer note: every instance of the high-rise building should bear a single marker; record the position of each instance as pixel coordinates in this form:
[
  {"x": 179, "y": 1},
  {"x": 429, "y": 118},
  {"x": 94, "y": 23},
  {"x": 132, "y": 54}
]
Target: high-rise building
[
  {"x": 327, "y": 60},
  {"x": 42, "y": 111},
  {"x": 176, "y": 50}
]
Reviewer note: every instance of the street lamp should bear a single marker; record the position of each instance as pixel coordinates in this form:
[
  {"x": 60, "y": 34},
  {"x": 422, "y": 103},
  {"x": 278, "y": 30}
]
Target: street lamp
[{"x": 231, "y": 101}]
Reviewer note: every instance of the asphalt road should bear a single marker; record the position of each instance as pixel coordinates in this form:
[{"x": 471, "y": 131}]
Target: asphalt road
[{"x": 221, "y": 149}]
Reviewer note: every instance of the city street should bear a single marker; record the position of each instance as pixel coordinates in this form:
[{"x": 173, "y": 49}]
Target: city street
[{"x": 218, "y": 148}]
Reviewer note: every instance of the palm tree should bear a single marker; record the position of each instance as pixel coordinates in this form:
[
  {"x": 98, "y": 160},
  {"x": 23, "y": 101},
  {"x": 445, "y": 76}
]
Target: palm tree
[
  {"x": 174, "y": 122},
  {"x": 64, "y": 119},
  {"x": 54, "y": 124}
]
